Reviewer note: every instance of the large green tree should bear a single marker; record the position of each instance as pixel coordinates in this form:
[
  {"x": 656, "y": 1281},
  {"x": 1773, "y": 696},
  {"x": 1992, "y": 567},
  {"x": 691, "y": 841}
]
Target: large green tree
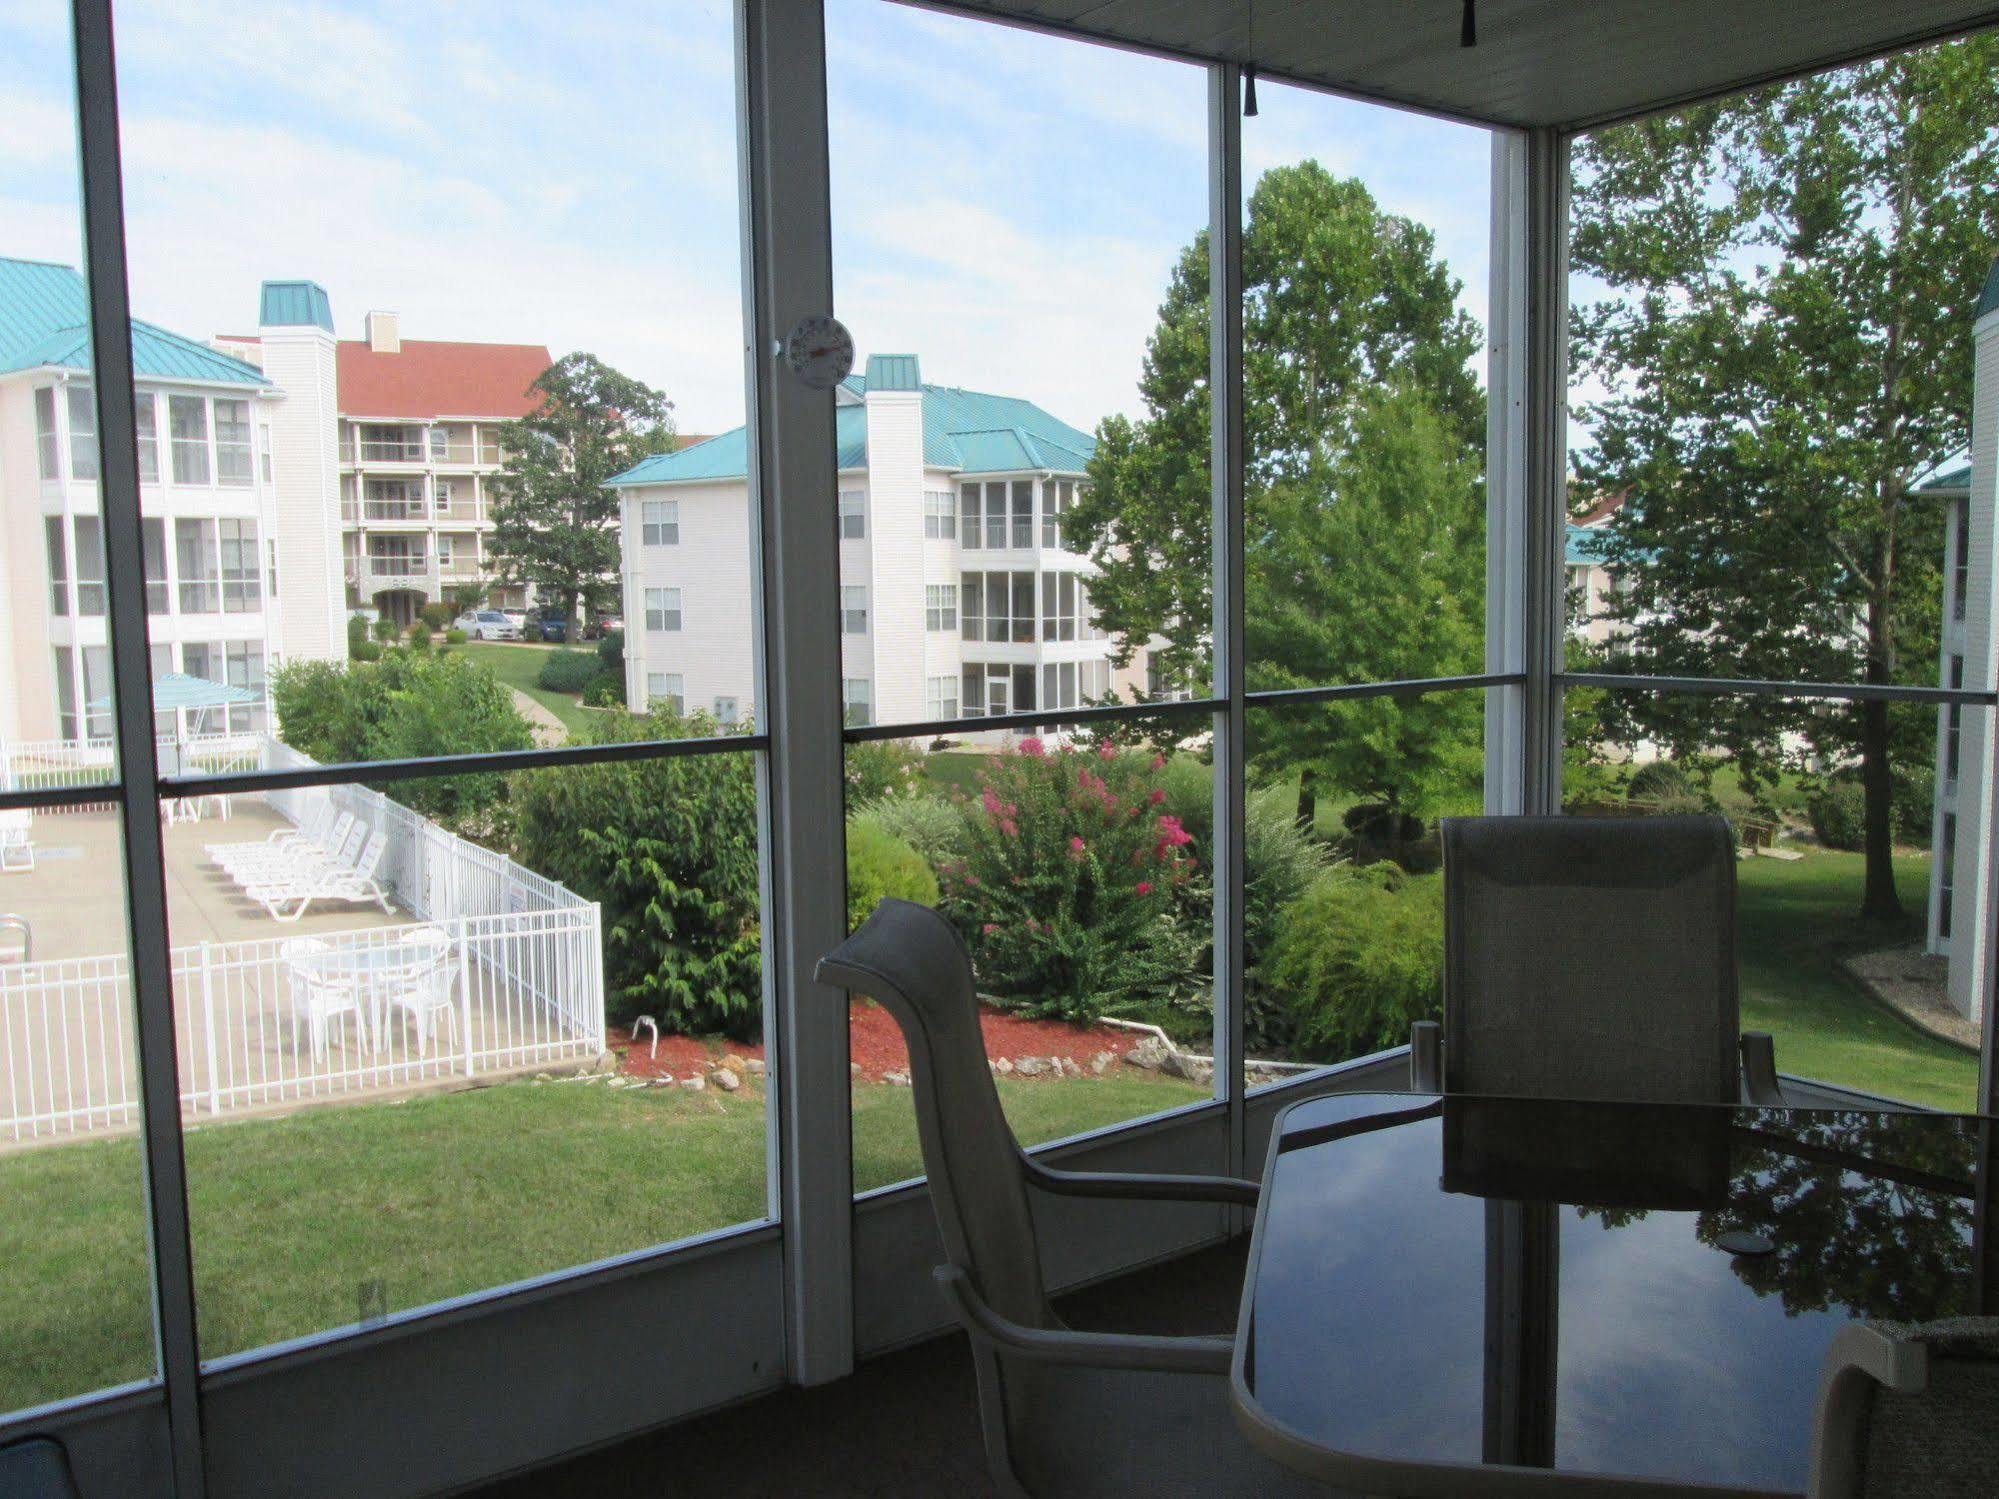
[
  {"x": 1364, "y": 544},
  {"x": 554, "y": 523},
  {"x": 1781, "y": 351}
]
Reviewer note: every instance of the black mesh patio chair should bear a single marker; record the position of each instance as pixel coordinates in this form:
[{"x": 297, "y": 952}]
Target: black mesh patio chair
[
  {"x": 1591, "y": 957},
  {"x": 1063, "y": 1411},
  {"x": 1907, "y": 1409}
]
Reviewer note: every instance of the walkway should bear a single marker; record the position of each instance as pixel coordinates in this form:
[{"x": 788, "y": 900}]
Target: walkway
[{"x": 549, "y": 730}]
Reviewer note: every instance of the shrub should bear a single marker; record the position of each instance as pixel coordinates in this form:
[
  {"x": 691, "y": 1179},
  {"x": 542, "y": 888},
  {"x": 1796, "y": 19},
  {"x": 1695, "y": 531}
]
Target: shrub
[
  {"x": 878, "y": 768},
  {"x": 1359, "y": 956},
  {"x": 387, "y": 631},
  {"x": 407, "y": 704},
  {"x": 1915, "y": 802},
  {"x": 455, "y": 636},
  {"x": 1066, "y": 890},
  {"x": 566, "y": 671},
  {"x": 929, "y": 824},
  {"x": 605, "y": 689},
  {"x": 357, "y": 634},
  {"x": 1838, "y": 810},
  {"x": 437, "y": 616},
  {"x": 879, "y": 864},
  {"x": 611, "y": 651},
  {"x": 365, "y": 650},
  {"x": 418, "y": 636},
  {"x": 1658, "y": 780},
  {"x": 668, "y": 847}
]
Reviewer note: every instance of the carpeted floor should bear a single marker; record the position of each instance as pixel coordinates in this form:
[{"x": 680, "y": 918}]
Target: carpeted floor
[{"x": 901, "y": 1425}]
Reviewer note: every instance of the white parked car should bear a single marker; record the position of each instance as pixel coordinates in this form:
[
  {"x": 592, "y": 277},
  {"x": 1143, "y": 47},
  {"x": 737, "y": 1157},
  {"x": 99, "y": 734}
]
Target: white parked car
[{"x": 487, "y": 624}]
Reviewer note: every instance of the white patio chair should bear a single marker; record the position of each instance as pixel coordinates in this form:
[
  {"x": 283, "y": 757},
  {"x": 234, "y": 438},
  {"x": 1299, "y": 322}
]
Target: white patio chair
[
  {"x": 17, "y": 843},
  {"x": 322, "y": 992},
  {"x": 423, "y": 989},
  {"x": 287, "y": 899},
  {"x": 281, "y": 846},
  {"x": 318, "y": 824},
  {"x": 296, "y": 861}
]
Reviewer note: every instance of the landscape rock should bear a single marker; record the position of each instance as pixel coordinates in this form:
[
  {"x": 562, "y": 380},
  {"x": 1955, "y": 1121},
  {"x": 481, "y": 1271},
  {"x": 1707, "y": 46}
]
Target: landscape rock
[
  {"x": 1030, "y": 1067},
  {"x": 896, "y": 1079},
  {"x": 754, "y": 1066},
  {"x": 1071, "y": 1068},
  {"x": 1151, "y": 1052},
  {"x": 725, "y": 1078},
  {"x": 694, "y": 1084},
  {"x": 1003, "y": 1066},
  {"x": 1101, "y": 1063},
  {"x": 1192, "y": 1068}
]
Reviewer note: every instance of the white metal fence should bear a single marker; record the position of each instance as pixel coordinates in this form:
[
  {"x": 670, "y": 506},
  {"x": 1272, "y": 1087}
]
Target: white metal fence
[
  {"x": 47, "y": 764},
  {"x": 498, "y": 969}
]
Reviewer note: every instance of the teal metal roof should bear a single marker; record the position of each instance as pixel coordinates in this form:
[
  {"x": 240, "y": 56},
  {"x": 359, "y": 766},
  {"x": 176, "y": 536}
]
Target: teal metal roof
[
  {"x": 45, "y": 322},
  {"x": 965, "y": 430},
  {"x": 1952, "y": 478},
  {"x": 893, "y": 372},
  {"x": 1584, "y": 546},
  {"x": 1988, "y": 300},
  {"x": 294, "y": 304}
]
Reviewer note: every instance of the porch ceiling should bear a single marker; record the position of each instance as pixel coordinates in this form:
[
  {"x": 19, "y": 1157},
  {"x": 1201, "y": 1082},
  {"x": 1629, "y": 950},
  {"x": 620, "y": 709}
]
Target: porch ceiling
[{"x": 1566, "y": 63}]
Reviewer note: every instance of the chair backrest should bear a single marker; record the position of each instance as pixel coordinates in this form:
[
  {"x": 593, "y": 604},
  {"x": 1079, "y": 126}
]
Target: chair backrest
[
  {"x": 1907, "y": 1408},
  {"x": 1590, "y": 957},
  {"x": 371, "y": 858},
  {"x": 334, "y": 844},
  {"x": 908, "y": 957}
]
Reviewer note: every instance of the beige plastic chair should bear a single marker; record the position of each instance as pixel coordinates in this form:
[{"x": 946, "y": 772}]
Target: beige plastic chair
[
  {"x": 1064, "y": 1412},
  {"x": 1591, "y": 958},
  {"x": 1909, "y": 1409}
]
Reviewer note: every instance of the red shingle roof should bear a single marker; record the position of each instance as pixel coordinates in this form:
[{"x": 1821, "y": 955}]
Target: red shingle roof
[{"x": 433, "y": 378}]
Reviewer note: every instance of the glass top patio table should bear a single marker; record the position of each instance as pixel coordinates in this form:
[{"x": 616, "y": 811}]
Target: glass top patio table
[{"x": 1524, "y": 1291}]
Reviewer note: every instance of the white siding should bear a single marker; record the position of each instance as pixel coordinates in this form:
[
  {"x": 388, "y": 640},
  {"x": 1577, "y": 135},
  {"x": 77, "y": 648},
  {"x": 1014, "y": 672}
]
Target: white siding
[
  {"x": 710, "y": 565},
  {"x": 311, "y": 613}
]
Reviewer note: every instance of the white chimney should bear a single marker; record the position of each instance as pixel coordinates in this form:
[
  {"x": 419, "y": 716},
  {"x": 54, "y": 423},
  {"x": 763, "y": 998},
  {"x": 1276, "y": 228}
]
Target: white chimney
[{"x": 382, "y": 335}]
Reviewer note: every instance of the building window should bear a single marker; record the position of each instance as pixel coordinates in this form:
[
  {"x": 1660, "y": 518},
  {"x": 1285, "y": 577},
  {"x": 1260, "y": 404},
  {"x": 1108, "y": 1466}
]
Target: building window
[
  {"x": 440, "y": 445},
  {"x": 974, "y": 622},
  {"x": 82, "y": 431},
  {"x": 187, "y": 430},
  {"x": 662, "y": 608},
  {"x": 441, "y": 488},
  {"x": 264, "y": 449},
  {"x": 996, "y": 516},
  {"x": 663, "y": 691},
  {"x": 940, "y": 606},
  {"x": 271, "y": 569},
  {"x": 153, "y": 547},
  {"x": 1023, "y": 608},
  {"x": 853, "y": 515},
  {"x": 1058, "y": 497},
  {"x": 241, "y": 593},
  {"x": 233, "y": 463},
  {"x": 58, "y": 566},
  {"x": 941, "y": 697},
  {"x": 661, "y": 526},
  {"x": 1068, "y": 626},
  {"x": 1050, "y": 614},
  {"x": 1961, "y": 563},
  {"x": 854, "y": 610},
  {"x": 48, "y": 455},
  {"x": 99, "y": 722},
  {"x": 973, "y": 700},
  {"x": 854, "y": 702},
  {"x": 147, "y": 418},
  {"x": 66, "y": 720},
  {"x": 940, "y": 515},
  {"x": 1023, "y": 513},
  {"x": 1953, "y": 727},
  {"x": 726, "y": 712},
  {"x": 89, "y": 566},
  {"x": 199, "y": 567},
  {"x": 971, "y": 538},
  {"x": 1947, "y": 873}
]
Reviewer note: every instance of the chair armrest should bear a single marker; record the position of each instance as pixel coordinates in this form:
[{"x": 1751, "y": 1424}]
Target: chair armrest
[
  {"x": 1098, "y": 1350},
  {"x": 1133, "y": 1186},
  {"x": 1426, "y": 1057},
  {"x": 1759, "y": 1070}
]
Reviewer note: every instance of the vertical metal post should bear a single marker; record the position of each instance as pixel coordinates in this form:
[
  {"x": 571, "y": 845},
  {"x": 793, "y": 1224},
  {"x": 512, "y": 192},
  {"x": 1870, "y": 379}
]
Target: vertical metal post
[
  {"x": 1527, "y": 469},
  {"x": 139, "y": 797},
  {"x": 788, "y": 274},
  {"x": 1225, "y": 461}
]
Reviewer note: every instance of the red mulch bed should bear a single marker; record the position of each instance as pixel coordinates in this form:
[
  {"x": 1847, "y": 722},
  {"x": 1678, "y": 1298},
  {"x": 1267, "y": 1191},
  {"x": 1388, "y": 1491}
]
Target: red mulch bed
[{"x": 875, "y": 1044}]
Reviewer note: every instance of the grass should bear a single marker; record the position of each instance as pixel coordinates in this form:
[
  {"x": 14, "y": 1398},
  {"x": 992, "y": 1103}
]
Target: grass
[
  {"x": 1795, "y": 919},
  {"x": 296, "y": 1220},
  {"x": 517, "y": 666}
]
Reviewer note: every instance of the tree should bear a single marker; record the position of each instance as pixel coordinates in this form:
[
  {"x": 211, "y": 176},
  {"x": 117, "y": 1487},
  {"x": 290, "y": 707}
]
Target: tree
[
  {"x": 1783, "y": 351},
  {"x": 1364, "y": 424},
  {"x": 554, "y": 523}
]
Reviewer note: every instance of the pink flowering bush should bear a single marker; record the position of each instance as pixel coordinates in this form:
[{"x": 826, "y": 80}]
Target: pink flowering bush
[{"x": 1065, "y": 889}]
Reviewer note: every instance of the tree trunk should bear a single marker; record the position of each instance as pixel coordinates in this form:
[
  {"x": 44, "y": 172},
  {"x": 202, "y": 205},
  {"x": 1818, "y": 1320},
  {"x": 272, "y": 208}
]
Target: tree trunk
[
  {"x": 1877, "y": 787},
  {"x": 1308, "y": 800}
]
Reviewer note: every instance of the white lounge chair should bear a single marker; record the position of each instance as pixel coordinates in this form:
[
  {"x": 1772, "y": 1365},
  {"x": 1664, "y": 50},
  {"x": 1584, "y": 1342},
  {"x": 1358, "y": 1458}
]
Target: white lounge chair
[
  {"x": 317, "y": 826},
  {"x": 322, "y": 992},
  {"x": 287, "y": 898},
  {"x": 295, "y": 860},
  {"x": 17, "y": 844}
]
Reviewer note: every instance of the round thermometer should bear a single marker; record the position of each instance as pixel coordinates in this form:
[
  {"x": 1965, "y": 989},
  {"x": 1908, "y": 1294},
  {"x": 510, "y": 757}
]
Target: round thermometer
[{"x": 820, "y": 352}]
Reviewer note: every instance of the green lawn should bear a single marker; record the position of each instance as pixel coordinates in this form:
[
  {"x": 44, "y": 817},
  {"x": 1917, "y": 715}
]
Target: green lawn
[
  {"x": 296, "y": 1219},
  {"x": 518, "y": 666},
  {"x": 1795, "y": 919}
]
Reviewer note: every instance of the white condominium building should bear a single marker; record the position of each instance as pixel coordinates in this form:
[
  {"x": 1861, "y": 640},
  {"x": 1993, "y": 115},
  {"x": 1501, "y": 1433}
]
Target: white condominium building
[
  {"x": 959, "y": 595},
  {"x": 235, "y": 570},
  {"x": 413, "y": 431}
]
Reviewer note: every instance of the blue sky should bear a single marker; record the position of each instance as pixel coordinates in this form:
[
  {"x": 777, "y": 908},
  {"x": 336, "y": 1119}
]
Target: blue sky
[{"x": 1005, "y": 205}]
